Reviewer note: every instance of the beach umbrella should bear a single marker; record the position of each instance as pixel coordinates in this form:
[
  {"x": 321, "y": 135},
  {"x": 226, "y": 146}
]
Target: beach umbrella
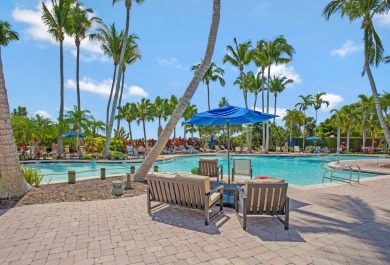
[
  {"x": 291, "y": 142},
  {"x": 212, "y": 142},
  {"x": 228, "y": 115},
  {"x": 313, "y": 138},
  {"x": 72, "y": 134}
]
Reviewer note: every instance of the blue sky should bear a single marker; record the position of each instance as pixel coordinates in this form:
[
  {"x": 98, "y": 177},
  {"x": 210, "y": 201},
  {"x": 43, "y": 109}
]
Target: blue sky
[{"x": 173, "y": 36}]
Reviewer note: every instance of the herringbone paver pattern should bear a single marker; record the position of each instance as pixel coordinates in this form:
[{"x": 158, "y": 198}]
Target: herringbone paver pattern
[{"x": 334, "y": 225}]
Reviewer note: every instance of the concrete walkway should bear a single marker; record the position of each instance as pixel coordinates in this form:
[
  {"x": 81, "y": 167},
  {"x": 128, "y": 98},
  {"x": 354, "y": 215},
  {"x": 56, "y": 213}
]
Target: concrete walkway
[{"x": 339, "y": 224}]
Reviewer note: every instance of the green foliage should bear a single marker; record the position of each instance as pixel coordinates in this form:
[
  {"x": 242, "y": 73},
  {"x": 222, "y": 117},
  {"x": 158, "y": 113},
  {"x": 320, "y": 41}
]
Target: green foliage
[
  {"x": 32, "y": 176},
  {"x": 117, "y": 155},
  {"x": 91, "y": 156},
  {"x": 195, "y": 170},
  {"x": 117, "y": 145}
]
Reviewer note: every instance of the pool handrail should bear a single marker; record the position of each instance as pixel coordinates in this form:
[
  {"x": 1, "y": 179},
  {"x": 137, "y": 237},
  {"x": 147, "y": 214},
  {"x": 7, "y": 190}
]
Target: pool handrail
[{"x": 348, "y": 167}]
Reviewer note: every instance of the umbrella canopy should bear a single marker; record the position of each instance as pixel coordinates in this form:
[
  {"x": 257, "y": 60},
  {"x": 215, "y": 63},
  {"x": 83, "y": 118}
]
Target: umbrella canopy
[
  {"x": 229, "y": 115},
  {"x": 291, "y": 142},
  {"x": 72, "y": 134},
  {"x": 313, "y": 138},
  {"x": 212, "y": 141}
]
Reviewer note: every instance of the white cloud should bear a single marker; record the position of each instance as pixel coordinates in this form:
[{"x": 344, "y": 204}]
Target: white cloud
[
  {"x": 171, "y": 62},
  {"x": 347, "y": 48},
  {"x": 89, "y": 85},
  {"x": 333, "y": 100},
  {"x": 383, "y": 20},
  {"x": 287, "y": 71},
  {"x": 136, "y": 91},
  {"x": 37, "y": 31},
  {"x": 281, "y": 112},
  {"x": 43, "y": 113}
]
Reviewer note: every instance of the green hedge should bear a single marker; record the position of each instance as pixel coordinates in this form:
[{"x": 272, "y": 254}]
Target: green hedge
[{"x": 355, "y": 143}]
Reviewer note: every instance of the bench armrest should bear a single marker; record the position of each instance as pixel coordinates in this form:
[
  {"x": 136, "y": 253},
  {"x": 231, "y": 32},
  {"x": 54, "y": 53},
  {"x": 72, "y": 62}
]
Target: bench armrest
[
  {"x": 241, "y": 193},
  {"x": 219, "y": 188}
]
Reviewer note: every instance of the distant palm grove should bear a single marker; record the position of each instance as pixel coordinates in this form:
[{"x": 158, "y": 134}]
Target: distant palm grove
[{"x": 351, "y": 128}]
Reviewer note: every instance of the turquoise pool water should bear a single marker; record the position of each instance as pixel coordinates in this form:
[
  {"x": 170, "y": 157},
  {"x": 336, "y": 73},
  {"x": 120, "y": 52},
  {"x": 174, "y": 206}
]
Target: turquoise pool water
[{"x": 302, "y": 170}]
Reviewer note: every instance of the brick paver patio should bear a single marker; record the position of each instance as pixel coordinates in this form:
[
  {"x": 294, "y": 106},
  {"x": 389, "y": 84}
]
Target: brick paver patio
[{"x": 339, "y": 224}]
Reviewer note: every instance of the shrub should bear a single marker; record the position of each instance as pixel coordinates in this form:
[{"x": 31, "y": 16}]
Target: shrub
[
  {"x": 117, "y": 145},
  {"x": 117, "y": 155},
  {"x": 32, "y": 176}
]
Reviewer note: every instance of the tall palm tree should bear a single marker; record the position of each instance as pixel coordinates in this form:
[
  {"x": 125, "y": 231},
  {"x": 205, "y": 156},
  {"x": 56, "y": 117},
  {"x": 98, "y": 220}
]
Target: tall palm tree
[
  {"x": 144, "y": 111},
  {"x": 80, "y": 24},
  {"x": 57, "y": 20},
  {"x": 173, "y": 102},
  {"x": 277, "y": 85},
  {"x": 191, "y": 110},
  {"x": 373, "y": 48},
  {"x": 160, "y": 111},
  {"x": 338, "y": 117},
  {"x": 12, "y": 182},
  {"x": 303, "y": 106},
  {"x": 238, "y": 56},
  {"x": 349, "y": 116},
  {"x": 110, "y": 43},
  {"x": 365, "y": 104},
  {"x": 274, "y": 52},
  {"x": 178, "y": 113},
  {"x": 95, "y": 126},
  {"x": 132, "y": 54},
  {"x": 318, "y": 102},
  {"x": 213, "y": 73},
  {"x": 256, "y": 86},
  {"x": 128, "y": 5},
  {"x": 78, "y": 120},
  {"x": 224, "y": 101},
  {"x": 293, "y": 120},
  {"x": 129, "y": 112},
  {"x": 43, "y": 128}
]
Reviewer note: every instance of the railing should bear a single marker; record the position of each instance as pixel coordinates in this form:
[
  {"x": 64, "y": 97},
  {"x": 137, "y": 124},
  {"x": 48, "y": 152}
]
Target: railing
[
  {"x": 342, "y": 179},
  {"x": 325, "y": 158}
]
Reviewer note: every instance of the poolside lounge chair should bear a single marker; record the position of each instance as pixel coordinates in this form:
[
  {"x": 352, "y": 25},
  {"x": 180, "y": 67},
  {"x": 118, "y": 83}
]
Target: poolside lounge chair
[
  {"x": 296, "y": 149},
  {"x": 263, "y": 197},
  {"x": 210, "y": 168},
  {"x": 245, "y": 149},
  {"x": 325, "y": 150},
  {"x": 238, "y": 149},
  {"x": 241, "y": 167},
  {"x": 130, "y": 151},
  {"x": 317, "y": 149},
  {"x": 308, "y": 149},
  {"x": 185, "y": 190},
  {"x": 277, "y": 149},
  {"x": 220, "y": 150}
]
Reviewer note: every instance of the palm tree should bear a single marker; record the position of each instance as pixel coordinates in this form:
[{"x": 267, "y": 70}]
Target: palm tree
[
  {"x": 303, "y": 106},
  {"x": 365, "y": 104},
  {"x": 188, "y": 113},
  {"x": 256, "y": 86},
  {"x": 338, "y": 117},
  {"x": 110, "y": 43},
  {"x": 128, "y": 5},
  {"x": 12, "y": 182},
  {"x": 277, "y": 85},
  {"x": 224, "y": 101},
  {"x": 239, "y": 56},
  {"x": 318, "y": 102},
  {"x": 144, "y": 113},
  {"x": 294, "y": 119},
  {"x": 132, "y": 54},
  {"x": 57, "y": 20},
  {"x": 373, "y": 49},
  {"x": 43, "y": 128},
  {"x": 173, "y": 102},
  {"x": 80, "y": 23},
  {"x": 95, "y": 126},
  {"x": 130, "y": 113},
  {"x": 78, "y": 119},
  {"x": 178, "y": 113},
  {"x": 348, "y": 118},
  {"x": 160, "y": 111},
  {"x": 213, "y": 73}
]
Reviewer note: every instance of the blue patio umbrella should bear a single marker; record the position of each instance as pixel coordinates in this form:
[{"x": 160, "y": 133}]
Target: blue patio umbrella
[
  {"x": 291, "y": 142},
  {"x": 212, "y": 142},
  {"x": 72, "y": 134},
  {"x": 313, "y": 138},
  {"x": 229, "y": 115}
]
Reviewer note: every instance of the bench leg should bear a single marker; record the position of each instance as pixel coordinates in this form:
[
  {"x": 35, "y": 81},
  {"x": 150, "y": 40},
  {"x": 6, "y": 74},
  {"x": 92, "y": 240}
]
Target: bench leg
[{"x": 148, "y": 200}]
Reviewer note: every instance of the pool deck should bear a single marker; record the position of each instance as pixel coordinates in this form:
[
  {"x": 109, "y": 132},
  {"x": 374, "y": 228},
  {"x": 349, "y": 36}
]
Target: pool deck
[{"x": 338, "y": 224}]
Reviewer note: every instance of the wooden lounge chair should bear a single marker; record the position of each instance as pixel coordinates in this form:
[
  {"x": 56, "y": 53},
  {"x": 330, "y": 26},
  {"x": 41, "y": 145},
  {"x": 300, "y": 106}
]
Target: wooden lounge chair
[
  {"x": 185, "y": 190},
  {"x": 245, "y": 149},
  {"x": 263, "y": 197},
  {"x": 238, "y": 149},
  {"x": 241, "y": 167},
  {"x": 210, "y": 168}
]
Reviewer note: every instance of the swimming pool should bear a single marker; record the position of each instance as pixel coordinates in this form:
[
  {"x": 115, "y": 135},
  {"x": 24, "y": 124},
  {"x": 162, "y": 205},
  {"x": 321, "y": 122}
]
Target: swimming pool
[{"x": 298, "y": 170}]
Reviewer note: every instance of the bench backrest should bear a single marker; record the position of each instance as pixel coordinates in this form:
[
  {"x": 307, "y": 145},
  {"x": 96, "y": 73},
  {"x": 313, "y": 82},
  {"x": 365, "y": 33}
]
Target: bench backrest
[
  {"x": 183, "y": 190},
  {"x": 266, "y": 198},
  {"x": 208, "y": 167},
  {"x": 242, "y": 166}
]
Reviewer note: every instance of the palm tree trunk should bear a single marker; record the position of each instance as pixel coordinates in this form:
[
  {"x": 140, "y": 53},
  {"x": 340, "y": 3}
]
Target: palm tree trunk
[
  {"x": 131, "y": 134},
  {"x": 378, "y": 106},
  {"x": 348, "y": 140},
  {"x": 61, "y": 116},
  {"x": 120, "y": 100},
  {"x": 364, "y": 130},
  {"x": 208, "y": 97},
  {"x": 372, "y": 140},
  {"x": 78, "y": 77},
  {"x": 110, "y": 97},
  {"x": 143, "y": 123},
  {"x": 338, "y": 136},
  {"x": 267, "y": 122},
  {"x": 275, "y": 95},
  {"x": 178, "y": 113},
  {"x": 115, "y": 100},
  {"x": 12, "y": 182},
  {"x": 262, "y": 107}
]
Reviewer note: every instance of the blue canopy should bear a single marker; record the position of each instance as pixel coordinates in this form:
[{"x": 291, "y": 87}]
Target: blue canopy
[
  {"x": 229, "y": 115},
  {"x": 291, "y": 142},
  {"x": 313, "y": 138},
  {"x": 72, "y": 134}
]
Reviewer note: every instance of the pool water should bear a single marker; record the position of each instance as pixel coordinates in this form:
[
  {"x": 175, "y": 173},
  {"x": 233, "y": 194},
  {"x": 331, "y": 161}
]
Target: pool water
[{"x": 302, "y": 170}]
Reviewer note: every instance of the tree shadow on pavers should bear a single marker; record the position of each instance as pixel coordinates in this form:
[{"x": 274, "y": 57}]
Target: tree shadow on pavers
[
  {"x": 344, "y": 216},
  {"x": 187, "y": 218}
]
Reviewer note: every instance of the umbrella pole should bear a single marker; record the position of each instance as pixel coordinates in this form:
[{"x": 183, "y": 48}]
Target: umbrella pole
[{"x": 228, "y": 152}]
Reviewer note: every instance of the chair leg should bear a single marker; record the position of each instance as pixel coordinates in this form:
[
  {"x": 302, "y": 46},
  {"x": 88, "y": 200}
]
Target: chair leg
[
  {"x": 244, "y": 217},
  {"x": 148, "y": 200},
  {"x": 287, "y": 216},
  {"x": 206, "y": 212}
]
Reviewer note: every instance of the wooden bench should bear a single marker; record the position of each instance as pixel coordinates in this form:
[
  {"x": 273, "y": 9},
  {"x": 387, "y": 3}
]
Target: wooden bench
[
  {"x": 185, "y": 190},
  {"x": 210, "y": 168}
]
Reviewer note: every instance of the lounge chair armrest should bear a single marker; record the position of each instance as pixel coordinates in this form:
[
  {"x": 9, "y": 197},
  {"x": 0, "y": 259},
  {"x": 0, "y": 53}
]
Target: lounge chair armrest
[
  {"x": 219, "y": 188},
  {"x": 241, "y": 193}
]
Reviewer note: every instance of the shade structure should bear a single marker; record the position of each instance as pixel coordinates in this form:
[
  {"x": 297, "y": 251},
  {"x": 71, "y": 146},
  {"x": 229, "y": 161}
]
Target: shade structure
[
  {"x": 313, "y": 138},
  {"x": 72, "y": 134},
  {"x": 229, "y": 115}
]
